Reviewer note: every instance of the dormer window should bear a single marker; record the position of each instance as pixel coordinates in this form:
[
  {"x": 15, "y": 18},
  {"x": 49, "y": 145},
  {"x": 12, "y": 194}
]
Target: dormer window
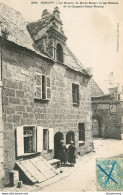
[{"x": 59, "y": 53}]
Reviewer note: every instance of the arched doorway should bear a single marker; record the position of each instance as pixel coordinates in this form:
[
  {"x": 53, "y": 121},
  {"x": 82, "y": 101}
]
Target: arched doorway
[
  {"x": 70, "y": 136},
  {"x": 97, "y": 126},
  {"x": 57, "y": 138}
]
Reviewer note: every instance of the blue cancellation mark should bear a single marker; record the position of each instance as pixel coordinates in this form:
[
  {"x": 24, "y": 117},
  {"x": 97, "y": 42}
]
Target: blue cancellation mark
[{"x": 109, "y": 174}]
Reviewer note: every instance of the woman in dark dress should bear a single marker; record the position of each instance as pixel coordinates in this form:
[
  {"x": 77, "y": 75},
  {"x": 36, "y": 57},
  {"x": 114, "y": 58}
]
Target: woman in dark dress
[
  {"x": 63, "y": 152},
  {"x": 72, "y": 153}
]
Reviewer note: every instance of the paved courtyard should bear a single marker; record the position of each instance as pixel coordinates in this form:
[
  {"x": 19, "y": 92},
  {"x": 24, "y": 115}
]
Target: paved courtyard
[{"x": 81, "y": 177}]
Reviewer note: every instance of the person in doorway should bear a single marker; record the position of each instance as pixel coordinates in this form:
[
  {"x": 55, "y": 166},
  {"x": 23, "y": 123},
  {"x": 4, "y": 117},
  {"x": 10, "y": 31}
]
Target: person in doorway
[
  {"x": 72, "y": 154},
  {"x": 63, "y": 152}
]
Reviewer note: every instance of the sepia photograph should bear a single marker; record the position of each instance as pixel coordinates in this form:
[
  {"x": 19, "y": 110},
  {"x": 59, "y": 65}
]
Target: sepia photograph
[{"x": 61, "y": 96}]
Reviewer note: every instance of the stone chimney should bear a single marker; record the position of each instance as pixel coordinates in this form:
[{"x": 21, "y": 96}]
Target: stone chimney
[{"x": 45, "y": 13}]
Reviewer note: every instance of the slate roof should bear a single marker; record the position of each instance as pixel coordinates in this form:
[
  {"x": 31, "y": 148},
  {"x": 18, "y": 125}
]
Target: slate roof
[
  {"x": 14, "y": 22},
  {"x": 95, "y": 89},
  {"x": 17, "y": 27},
  {"x": 35, "y": 27},
  {"x": 73, "y": 63}
]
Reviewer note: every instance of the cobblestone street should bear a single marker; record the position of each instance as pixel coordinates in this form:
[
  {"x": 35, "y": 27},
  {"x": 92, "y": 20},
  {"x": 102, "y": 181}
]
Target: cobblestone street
[{"x": 82, "y": 177}]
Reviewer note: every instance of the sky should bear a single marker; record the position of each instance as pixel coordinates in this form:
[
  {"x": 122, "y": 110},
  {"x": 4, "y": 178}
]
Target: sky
[{"x": 91, "y": 32}]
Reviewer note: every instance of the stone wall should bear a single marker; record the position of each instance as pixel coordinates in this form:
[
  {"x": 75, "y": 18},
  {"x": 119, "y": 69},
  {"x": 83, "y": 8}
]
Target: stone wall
[
  {"x": 1, "y": 143},
  {"x": 110, "y": 123},
  {"x": 1, "y": 130},
  {"x": 20, "y": 106}
]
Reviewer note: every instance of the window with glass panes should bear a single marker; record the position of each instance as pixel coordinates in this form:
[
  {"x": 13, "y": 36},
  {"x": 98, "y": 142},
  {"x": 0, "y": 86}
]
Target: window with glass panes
[
  {"x": 81, "y": 127},
  {"x": 32, "y": 139},
  {"x": 28, "y": 139},
  {"x": 42, "y": 87}
]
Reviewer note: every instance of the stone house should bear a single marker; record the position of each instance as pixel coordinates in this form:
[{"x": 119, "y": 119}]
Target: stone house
[
  {"x": 107, "y": 113},
  {"x": 45, "y": 92},
  {"x": 107, "y": 117}
]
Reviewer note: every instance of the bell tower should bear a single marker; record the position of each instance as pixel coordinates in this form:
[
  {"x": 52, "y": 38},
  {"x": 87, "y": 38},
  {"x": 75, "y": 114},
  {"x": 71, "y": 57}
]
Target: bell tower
[{"x": 48, "y": 34}]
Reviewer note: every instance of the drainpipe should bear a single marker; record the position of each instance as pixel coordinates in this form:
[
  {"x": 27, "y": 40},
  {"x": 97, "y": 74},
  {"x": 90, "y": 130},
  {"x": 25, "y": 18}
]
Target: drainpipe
[{"x": 1, "y": 113}]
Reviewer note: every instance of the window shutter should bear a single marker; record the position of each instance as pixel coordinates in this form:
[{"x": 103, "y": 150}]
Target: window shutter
[
  {"x": 20, "y": 141},
  {"x": 39, "y": 138},
  {"x": 78, "y": 94},
  {"x": 51, "y": 139},
  {"x": 73, "y": 93},
  {"x": 38, "y": 86},
  {"x": 34, "y": 139},
  {"x": 76, "y": 91},
  {"x": 48, "y": 88}
]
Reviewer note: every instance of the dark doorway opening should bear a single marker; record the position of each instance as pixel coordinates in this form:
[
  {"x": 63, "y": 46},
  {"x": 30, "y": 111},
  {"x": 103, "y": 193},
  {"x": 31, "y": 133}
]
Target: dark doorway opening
[
  {"x": 70, "y": 136},
  {"x": 57, "y": 138}
]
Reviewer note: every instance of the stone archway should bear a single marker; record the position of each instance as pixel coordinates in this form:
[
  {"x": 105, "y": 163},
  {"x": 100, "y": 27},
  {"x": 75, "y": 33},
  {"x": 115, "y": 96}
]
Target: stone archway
[
  {"x": 70, "y": 136},
  {"x": 97, "y": 126},
  {"x": 57, "y": 138}
]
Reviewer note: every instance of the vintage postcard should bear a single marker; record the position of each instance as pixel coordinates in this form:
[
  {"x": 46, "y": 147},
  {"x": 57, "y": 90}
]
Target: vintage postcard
[{"x": 61, "y": 96}]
